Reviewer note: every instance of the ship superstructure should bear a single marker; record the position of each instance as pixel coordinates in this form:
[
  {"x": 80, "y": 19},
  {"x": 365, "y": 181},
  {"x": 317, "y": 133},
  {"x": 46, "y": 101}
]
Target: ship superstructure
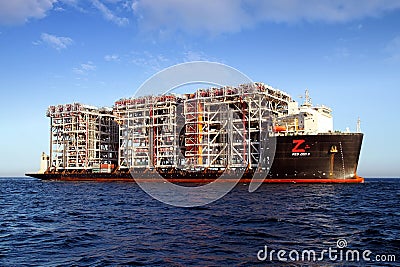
[{"x": 305, "y": 119}]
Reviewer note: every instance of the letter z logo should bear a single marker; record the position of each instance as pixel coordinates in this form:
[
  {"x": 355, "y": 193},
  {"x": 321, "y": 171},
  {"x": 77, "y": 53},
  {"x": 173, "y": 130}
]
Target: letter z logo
[{"x": 297, "y": 144}]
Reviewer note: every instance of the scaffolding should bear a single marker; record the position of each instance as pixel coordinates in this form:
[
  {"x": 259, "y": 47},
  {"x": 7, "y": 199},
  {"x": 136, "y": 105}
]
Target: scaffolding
[
  {"x": 82, "y": 137},
  {"x": 214, "y": 128}
]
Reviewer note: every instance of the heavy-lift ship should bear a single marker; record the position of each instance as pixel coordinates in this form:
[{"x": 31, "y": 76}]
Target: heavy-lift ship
[{"x": 253, "y": 131}]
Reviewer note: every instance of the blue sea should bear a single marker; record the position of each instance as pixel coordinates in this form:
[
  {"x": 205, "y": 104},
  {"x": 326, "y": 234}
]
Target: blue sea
[{"x": 118, "y": 224}]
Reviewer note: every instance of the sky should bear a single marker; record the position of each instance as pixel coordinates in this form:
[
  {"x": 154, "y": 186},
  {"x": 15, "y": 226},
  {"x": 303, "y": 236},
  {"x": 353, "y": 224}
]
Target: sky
[{"x": 346, "y": 52}]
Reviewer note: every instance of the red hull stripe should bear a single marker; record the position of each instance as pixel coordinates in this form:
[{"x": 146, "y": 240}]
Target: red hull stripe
[{"x": 357, "y": 179}]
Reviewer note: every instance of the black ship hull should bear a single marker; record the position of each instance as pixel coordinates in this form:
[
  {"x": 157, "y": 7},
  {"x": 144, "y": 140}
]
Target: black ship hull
[{"x": 323, "y": 158}]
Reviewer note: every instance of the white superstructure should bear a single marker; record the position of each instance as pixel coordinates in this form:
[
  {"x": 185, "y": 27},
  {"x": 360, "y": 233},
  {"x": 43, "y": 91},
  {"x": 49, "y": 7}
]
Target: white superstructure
[{"x": 305, "y": 119}]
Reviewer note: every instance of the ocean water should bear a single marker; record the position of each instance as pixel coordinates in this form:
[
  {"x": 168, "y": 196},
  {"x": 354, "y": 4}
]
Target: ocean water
[{"x": 117, "y": 224}]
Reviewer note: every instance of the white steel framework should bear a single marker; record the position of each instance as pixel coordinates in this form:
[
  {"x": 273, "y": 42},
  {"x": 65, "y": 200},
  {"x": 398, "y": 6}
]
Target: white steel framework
[
  {"x": 82, "y": 137},
  {"x": 215, "y": 128}
]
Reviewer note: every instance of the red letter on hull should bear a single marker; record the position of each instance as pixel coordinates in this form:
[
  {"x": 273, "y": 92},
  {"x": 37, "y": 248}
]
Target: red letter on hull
[{"x": 297, "y": 144}]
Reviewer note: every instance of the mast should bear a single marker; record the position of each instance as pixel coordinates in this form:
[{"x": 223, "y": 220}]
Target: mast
[
  {"x": 307, "y": 99},
  {"x": 51, "y": 145}
]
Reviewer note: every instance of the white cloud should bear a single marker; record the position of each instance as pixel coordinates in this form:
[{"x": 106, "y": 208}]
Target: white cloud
[
  {"x": 113, "y": 57},
  {"x": 84, "y": 68},
  {"x": 157, "y": 62},
  {"x": 342, "y": 52},
  {"x": 339, "y": 53},
  {"x": 190, "y": 16},
  {"x": 191, "y": 55},
  {"x": 88, "y": 66},
  {"x": 109, "y": 15},
  {"x": 393, "y": 49},
  {"x": 57, "y": 42},
  {"x": 59, "y": 9},
  {"x": 19, "y": 11},
  {"x": 198, "y": 16},
  {"x": 148, "y": 60}
]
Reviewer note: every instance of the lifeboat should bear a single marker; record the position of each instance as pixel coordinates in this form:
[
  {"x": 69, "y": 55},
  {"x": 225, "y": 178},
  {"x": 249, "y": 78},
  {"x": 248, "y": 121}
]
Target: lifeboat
[{"x": 279, "y": 129}]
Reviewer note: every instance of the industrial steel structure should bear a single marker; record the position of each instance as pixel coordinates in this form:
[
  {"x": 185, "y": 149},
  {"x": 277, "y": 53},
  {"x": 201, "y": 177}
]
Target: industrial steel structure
[
  {"x": 212, "y": 128},
  {"x": 148, "y": 133},
  {"x": 82, "y": 137}
]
